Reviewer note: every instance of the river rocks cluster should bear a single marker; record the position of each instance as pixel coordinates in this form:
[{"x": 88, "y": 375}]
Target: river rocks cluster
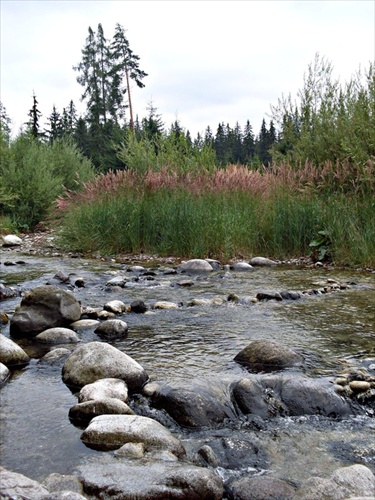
[{"x": 143, "y": 456}]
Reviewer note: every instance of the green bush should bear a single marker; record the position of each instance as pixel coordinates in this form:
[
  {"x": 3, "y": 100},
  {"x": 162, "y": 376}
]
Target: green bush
[{"x": 34, "y": 174}]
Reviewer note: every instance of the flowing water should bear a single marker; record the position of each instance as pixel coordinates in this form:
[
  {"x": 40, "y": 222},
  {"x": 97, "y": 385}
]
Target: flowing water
[{"x": 334, "y": 332}]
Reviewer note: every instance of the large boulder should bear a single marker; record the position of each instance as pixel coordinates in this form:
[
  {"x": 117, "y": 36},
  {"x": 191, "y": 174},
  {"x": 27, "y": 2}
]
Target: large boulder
[
  {"x": 11, "y": 354},
  {"x": 17, "y": 486},
  {"x": 345, "y": 483},
  {"x": 146, "y": 480},
  {"x": 266, "y": 355},
  {"x": 97, "y": 360},
  {"x": 274, "y": 395},
  {"x": 204, "y": 404},
  {"x": 42, "y": 308},
  {"x": 110, "y": 432}
]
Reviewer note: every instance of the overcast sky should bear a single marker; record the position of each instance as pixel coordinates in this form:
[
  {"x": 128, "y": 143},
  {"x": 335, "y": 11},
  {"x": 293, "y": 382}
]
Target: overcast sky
[{"x": 208, "y": 61}]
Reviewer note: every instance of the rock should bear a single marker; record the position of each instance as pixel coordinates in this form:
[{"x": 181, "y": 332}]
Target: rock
[
  {"x": 62, "y": 482},
  {"x": 163, "y": 304},
  {"x": 195, "y": 266},
  {"x": 57, "y": 335},
  {"x": 117, "y": 281},
  {"x": 346, "y": 482},
  {"x": 280, "y": 395},
  {"x": 11, "y": 354},
  {"x": 268, "y": 296},
  {"x": 6, "y": 292},
  {"x": 290, "y": 295},
  {"x": 359, "y": 385},
  {"x": 104, "y": 388},
  {"x": 202, "y": 405},
  {"x": 55, "y": 357},
  {"x": 151, "y": 480},
  {"x": 208, "y": 455},
  {"x": 4, "y": 373},
  {"x": 93, "y": 408},
  {"x": 11, "y": 240},
  {"x": 138, "y": 306},
  {"x": 63, "y": 495},
  {"x": 109, "y": 432},
  {"x": 17, "y": 486},
  {"x": 267, "y": 355},
  {"x": 262, "y": 262},
  {"x": 44, "y": 307},
  {"x": 242, "y": 266},
  {"x": 131, "y": 450},
  {"x": 215, "y": 264},
  {"x": 115, "y": 306},
  {"x": 4, "y": 319},
  {"x": 185, "y": 283},
  {"x": 260, "y": 488},
  {"x": 82, "y": 324},
  {"x": 112, "y": 329},
  {"x": 97, "y": 360}
]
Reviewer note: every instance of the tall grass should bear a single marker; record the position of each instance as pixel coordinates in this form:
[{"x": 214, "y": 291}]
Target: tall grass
[{"x": 225, "y": 213}]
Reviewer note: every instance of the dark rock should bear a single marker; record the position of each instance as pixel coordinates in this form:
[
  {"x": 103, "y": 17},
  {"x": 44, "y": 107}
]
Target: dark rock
[
  {"x": 268, "y": 296},
  {"x": 150, "y": 480},
  {"x": 42, "y": 308},
  {"x": 267, "y": 355},
  {"x": 138, "y": 306}
]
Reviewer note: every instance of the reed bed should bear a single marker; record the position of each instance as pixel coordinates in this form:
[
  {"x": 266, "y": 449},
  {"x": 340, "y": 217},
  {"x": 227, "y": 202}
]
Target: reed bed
[{"x": 226, "y": 213}]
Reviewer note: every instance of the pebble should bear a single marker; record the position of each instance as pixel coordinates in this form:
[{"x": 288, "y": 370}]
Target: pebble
[{"x": 359, "y": 385}]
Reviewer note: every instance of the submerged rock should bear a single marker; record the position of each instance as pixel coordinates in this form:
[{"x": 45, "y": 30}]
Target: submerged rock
[
  {"x": 260, "y": 488},
  {"x": 150, "y": 480},
  {"x": 42, "y": 308},
  {"x": 109, "y": 432},
  {"x": 97, "y": 360},
  {"x": 267, "y": 355}
]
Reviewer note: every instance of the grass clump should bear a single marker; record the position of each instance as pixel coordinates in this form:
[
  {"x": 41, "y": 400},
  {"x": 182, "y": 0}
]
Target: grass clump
[{"x": 225, "y": 213}]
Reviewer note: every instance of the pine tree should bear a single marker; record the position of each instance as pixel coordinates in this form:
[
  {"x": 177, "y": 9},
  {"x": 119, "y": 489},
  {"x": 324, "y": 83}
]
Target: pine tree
[
  {"x": 5, "y": 123},
  {"x": 55, "y": 125},
  {"x": 126, "y": 64},
  {"x": 33, "y": 123},
  {"x": 248, "y": 143}
]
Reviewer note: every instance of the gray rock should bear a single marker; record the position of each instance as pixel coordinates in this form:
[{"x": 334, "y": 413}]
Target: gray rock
[
  {"x": 269, "y": 296},
  {"x": 131, "y": 450},
  {"x": 4, "y": 373},
  {"x": 110, "y": 432},
  {"x": 204, "y": 404},
  {"x": 151, "y": 480},
  {"x": 195, "y": 266},
  {"x": 44, "y": 307},
  {"x": 117, "y": 281},
  {"x": 104, "y": 388},
  {"x": 14, "y": 486},
  {"x": 346, "y": 482},
  {"x": 62, "y": 482},
  {"x": 260, "y": 488},
  {"x": 11, "y": 354},
  {"x": 55, "y": 357},
  {"x": 290, "y": 295},
  {"x": 280, "y": 395},
  {"x": 63, "y": 495},
  {"x": 215, "y": 264},
  {"x": 57, "y": 335},
  {"x": 262, "y": 262},
  {"x": 82, "y": 324},
  {"x": 97, "y": 360},
  {"x": 112, "y": 329},
  {"x": 88, "y": 410},
  {"x": 266, "y": 354},
  {"x": 164, "y": 304}
]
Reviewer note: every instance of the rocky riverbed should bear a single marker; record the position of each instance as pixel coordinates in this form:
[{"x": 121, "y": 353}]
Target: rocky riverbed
[{"x": 149, "y": 378}]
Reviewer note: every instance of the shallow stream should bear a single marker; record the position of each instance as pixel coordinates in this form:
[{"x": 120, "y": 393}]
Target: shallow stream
[{"x": 335, "y": 332}]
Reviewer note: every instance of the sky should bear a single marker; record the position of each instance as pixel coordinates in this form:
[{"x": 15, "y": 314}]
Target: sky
[{"x": 208, "y": 62}]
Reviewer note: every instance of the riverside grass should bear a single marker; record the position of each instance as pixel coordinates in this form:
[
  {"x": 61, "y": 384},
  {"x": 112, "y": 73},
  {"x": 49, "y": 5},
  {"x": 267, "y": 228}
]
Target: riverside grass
[{"x": 226, "y": 213}]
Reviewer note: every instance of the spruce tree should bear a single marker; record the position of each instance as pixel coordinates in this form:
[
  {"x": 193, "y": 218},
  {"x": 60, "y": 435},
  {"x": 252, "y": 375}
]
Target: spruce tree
[{"x": 33, "y": 123}]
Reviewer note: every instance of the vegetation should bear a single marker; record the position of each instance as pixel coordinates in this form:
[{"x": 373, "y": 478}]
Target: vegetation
[{"x": 305, "y": 185}]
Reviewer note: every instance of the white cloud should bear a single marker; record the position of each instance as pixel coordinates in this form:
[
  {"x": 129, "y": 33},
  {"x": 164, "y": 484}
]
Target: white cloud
[{"x": 208, "y": 61}]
